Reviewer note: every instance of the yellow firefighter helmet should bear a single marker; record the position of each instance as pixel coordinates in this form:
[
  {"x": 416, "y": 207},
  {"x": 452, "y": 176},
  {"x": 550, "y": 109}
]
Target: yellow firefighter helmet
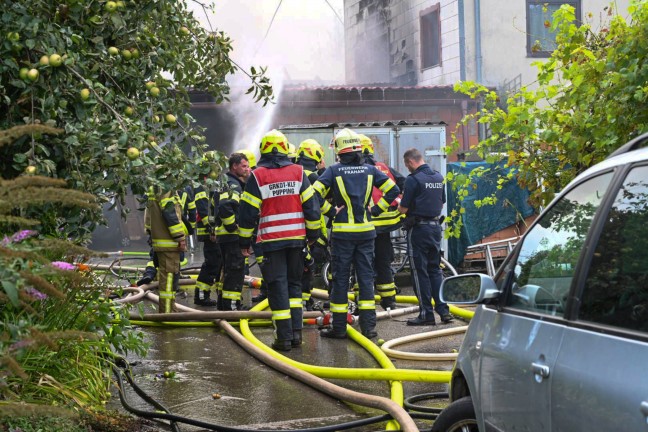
[
  {"x": 367, "y": 144},
  {"x": 274, "y": 141},
  {"x": 346, "y": 141},
  {"x": 310, "y": 148}
]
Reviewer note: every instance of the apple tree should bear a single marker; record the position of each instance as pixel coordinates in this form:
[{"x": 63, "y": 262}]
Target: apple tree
[
  {"x": 116, "y": 77},
  {"x": 589, "y": 100}
]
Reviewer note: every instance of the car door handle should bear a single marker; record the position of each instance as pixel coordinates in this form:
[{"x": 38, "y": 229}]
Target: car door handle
[
  {"x": 643, "y": 407},
  {"x": 541, "y": 371}
]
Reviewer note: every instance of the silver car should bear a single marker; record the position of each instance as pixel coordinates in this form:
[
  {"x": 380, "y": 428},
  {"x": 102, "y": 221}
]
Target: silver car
[{"x": 559, "y": 341}]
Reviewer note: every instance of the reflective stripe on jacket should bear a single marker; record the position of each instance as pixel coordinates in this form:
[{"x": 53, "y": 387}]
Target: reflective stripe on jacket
[
  {"x": 163, "y": 216},
  {"x": 228, "y": 206},
  {"x": 206, "y": 209},
  {"x": 284, "y": 201},
  {"x": 352, "y": 186},
  {"x": 388, "y": 220}
]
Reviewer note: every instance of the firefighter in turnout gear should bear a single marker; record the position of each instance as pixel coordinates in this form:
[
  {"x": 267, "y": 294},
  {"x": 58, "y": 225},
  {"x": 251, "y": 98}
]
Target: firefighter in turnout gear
[
  {"x": 206, "y": 222},
  {"x": 256, "y": 247},
  {"x": 310, "y": 155},
  {"x": 249, "y": 155},
  {"x": 188, "y": 206},
  {"x": 279, "y": 194},
  {"x": 385, "y": 223},
  {"x": 163, "y": 220},
  {"x": 353, "y": 234},
  {"x": 227, "y": 233}
]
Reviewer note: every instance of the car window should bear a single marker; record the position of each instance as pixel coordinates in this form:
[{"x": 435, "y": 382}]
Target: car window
[
  {"x": 547, "y": 259},
  {"x": 616, "y": 288}
]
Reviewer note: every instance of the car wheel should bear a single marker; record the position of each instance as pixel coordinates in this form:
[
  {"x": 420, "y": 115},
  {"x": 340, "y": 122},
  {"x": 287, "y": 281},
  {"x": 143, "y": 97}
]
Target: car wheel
[{"x": 459, "y": 416}]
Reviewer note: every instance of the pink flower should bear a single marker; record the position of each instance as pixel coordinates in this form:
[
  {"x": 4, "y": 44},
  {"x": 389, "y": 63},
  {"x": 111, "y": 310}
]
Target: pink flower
[
  {"x": 22, "y": 235},
  {"x": 18, "y": 237},
  {"x": 62, "y": 265},
  {"x": 33, "y": 292}
]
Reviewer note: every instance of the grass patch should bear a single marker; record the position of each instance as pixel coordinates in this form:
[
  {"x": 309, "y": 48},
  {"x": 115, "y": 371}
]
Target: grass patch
[{"x": 108, "y": 421}]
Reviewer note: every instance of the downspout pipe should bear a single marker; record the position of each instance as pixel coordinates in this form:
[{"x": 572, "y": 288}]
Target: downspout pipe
[
  {"x": 462, "y": 41},
  {"x": 478, "y": 54}
]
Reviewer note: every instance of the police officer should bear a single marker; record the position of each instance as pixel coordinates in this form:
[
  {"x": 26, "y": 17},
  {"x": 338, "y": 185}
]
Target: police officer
[
  {"x": 350, "y": 182},
  {"x": 422, "y": 202},
  {"x": 385, "y": 223},
  {"x": 227, "y": 233},
  {"x": 279, "y": 194}
]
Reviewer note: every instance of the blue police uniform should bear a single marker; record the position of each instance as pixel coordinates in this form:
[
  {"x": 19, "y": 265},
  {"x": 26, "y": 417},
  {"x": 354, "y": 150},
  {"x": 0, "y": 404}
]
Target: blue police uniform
[{"x": 424, "y": 197}]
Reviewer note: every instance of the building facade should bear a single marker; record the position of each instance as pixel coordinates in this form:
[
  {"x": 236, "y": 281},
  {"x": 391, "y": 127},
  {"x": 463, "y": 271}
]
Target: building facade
[{"x": 440, "y": 42}]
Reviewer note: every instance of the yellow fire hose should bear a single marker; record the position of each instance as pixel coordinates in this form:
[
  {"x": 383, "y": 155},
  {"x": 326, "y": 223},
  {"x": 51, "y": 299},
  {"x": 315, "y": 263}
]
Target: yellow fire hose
[
  {"x": 264, "y": 353},
  {"x": 388, "y": 371}
]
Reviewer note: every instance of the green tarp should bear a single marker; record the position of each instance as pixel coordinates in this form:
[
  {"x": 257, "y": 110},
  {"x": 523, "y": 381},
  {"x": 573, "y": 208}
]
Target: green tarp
[{"x": 511, "y": 207}]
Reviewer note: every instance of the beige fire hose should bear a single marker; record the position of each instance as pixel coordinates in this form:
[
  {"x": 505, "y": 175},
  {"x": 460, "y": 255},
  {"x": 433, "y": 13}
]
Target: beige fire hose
[
  {"x": 378, "y": 402},
  {"x": 386, "y": 347},
  {"x": 396, "y": 411}
]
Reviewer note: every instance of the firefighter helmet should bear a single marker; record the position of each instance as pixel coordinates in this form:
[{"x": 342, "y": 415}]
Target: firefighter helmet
[
  {"x": 347, "y": 141},
  {"x": 292, "y": 151},
  {"x": 274, "y": 142},
  {"x": 367, "y": 144},
  {"x": 310, "y": 148},
  {"x": 249, "y": 155}
]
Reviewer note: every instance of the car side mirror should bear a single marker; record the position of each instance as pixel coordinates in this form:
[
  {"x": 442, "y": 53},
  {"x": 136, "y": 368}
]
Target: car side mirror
[{"x": 468, "y": 289}]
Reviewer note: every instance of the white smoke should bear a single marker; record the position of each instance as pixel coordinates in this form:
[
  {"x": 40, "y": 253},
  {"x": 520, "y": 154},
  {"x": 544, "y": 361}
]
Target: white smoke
[{"x": 303, "y": 43}]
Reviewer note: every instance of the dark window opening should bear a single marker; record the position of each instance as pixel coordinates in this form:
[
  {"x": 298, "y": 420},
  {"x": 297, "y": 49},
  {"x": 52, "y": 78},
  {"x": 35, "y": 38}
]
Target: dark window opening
[
  {"x": 430, "y": 19},
  {"x": 541, "y": 41},
  {"x": 616, "y": 290}
]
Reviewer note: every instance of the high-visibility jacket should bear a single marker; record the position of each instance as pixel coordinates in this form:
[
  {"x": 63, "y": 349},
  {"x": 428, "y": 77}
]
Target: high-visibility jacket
[
  {"x": 280, "y": 195},
  {"x": 310, "y": 168},
  {"x": 206, "y": 213},
  {"x": 228, "y": 206},
  {"x": 188, "y": 208},
  {"x": 389, "y": 220},
  {"x": 163, "y": 220},
  {"x": 351, "y": 185}
]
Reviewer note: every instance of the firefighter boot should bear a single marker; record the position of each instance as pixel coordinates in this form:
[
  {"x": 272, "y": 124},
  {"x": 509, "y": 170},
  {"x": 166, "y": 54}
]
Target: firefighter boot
[
  {"x": 297, "y": 339},
  {"x": 309, "y": 304},
  {"x": 148, "y": 276},
  {"x": 207, "y": 301},
  {"x": 241, "y": 307},
  {"x": 225, "y": 303},
  {"x": 283, "y": 335},
  {"x": 197, "y": 300},
  {"x": 338, "y": 330},
  {"x": 368, "y": 323},
  {"x": 388, "y": 302},
  {"x": 282, "y": 345}
]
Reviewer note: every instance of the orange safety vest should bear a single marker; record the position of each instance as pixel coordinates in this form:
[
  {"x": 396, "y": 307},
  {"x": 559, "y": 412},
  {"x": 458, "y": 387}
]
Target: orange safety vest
[{"x": 376, "y": 194}]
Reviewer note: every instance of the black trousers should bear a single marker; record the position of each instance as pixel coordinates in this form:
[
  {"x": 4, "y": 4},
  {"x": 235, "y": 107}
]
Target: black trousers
[
  {"x": 233, "y": 270},
  {"x": 282, "y": 270},
  {"x": 359, "y": 253},
  {"x": 383, "y": 257},
  {"x": 211, "y": 268}
]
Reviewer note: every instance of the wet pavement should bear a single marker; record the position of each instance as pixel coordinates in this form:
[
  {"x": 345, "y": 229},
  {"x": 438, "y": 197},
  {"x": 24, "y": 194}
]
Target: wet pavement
[{"x": 214, "y": 380}]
